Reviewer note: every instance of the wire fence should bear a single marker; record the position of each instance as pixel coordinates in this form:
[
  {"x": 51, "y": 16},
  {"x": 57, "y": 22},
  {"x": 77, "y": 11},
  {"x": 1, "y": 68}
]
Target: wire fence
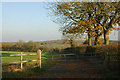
[{"x": 102, "y": 58}]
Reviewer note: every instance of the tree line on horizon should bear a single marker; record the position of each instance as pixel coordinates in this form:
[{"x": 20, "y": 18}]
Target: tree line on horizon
[
  {"x": 31, "y": 46},
  {"x": 21, "y": 46}
]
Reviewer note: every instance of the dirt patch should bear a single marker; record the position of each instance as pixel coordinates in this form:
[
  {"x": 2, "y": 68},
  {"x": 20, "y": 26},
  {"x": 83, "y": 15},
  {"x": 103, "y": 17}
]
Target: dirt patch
[{"x": 72, "y": 69}]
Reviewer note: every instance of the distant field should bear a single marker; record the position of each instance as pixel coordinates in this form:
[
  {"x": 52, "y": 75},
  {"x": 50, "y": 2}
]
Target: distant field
[
  {"x": 17, "y": 58},
  {"x": 55, "y": 45}
]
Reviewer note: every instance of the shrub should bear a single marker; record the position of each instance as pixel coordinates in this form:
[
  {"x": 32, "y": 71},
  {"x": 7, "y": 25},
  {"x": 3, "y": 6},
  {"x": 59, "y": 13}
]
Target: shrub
[{"x": 111, "y": 49}]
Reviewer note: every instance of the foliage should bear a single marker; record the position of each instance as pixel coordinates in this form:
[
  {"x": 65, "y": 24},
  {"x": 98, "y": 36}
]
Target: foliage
[
  {"x": 113, "y": 48},
  {"x": 93, "y": 18},
  {"x": 22, "y": 46},
  {"x": 47, "y": 46},
  {"x": 100, "y": 42}
]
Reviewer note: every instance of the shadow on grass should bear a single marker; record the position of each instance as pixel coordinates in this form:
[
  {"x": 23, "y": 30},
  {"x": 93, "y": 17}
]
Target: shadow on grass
[
  {"x": 107, "y": 73},
  {"x": 24, "y": 73},
  {"x": 28, "y": 71}
]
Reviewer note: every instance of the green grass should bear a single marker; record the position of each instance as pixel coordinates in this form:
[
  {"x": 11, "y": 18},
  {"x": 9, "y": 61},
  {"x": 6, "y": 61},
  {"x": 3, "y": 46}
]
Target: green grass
[
  {"x": 24, "y": 74},
  {"x": 28, "y": 67},
  {"x": 7, "y": 59}
]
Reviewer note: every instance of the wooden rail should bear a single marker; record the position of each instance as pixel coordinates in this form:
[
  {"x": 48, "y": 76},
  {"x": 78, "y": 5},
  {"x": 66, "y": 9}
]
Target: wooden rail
[
  {"x": 63, "y": 55},
  {"x": 21, "y": 58},
  {"x": 39, "y": 58},
  {"x": 4, "y": 55}
]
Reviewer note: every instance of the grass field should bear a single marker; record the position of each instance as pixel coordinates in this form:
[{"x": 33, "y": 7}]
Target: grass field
[
  {"x": 28, "y": 67},
  {"x": 27, "y": 57},
  {"x": 55, "y": 45},
  {"x": 7, "y": 59}
]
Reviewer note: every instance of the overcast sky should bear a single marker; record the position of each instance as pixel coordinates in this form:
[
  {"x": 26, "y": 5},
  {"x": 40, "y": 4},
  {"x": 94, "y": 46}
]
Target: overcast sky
[{"x": 30, "y": 21}]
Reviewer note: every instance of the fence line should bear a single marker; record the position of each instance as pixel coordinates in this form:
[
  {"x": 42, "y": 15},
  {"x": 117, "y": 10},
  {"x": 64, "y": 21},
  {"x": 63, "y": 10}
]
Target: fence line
[
  {"x": 106, "y": 57},
  {"x": 4, "y": 55},
  {"x": 21, "y": 59},
  {"x": 39, "y": 58}
]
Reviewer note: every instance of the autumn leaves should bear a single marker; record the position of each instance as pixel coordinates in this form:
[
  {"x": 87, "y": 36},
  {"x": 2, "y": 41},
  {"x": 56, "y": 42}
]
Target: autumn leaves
[{"x": 94, "y": 18}]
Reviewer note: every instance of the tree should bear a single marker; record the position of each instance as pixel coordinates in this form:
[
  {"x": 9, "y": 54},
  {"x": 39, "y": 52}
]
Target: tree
[
  {"x": 20, "y": 45},
  {"x": 71, "y": 38},
  {"x": 36, "y": 46},
  {"x": 107, "y": 16},
  {"x": 74, "y": 13},
  {"x": 94, "y": 19}
]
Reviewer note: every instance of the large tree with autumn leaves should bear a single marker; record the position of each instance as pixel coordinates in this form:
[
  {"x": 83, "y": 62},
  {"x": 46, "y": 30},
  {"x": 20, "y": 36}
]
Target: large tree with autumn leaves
[{"x": 93, "y": 18}]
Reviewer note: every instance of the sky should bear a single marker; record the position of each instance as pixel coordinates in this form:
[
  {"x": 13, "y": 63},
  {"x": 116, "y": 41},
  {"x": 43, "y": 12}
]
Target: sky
[
  {"x": 27, "y": 21},
  {"x": 30, "y": 21}
]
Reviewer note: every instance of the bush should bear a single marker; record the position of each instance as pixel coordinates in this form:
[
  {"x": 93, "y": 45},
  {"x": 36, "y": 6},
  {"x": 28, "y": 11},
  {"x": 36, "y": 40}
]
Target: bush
[{"x": 111, "y": 49}]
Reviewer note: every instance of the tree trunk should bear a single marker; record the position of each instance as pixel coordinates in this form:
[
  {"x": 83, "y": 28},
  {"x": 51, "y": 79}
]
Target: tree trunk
[
  {"x": 96, "y": 41},
  {"x": 97, "y": 38},
  {"x": 71, "y": 42},
  {"x": 89, "y": 39},
  {"x": 106, "y": 37}
]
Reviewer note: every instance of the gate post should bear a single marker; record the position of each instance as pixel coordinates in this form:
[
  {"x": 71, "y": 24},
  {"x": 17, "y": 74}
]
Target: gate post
[
  {"x": 21, "y": 61},
  {"x": 106, "y": 59},
  {"x": 39, "y": 57}
]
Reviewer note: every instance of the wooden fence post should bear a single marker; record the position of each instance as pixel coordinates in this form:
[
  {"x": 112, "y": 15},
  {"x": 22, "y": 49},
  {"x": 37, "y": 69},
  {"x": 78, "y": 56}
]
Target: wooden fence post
[
  {"x": 106, "y": 59},
  {"x": 39, "y": 57},
  {"x": 21, "y": 61},
  {"x": 65, "y": 57}
]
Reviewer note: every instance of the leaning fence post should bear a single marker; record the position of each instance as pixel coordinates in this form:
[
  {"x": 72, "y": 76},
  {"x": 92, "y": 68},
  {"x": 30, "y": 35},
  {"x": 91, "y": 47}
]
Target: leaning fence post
[
  {"x": 39, "y": 57},
  {"x": 21, "y": 61}
]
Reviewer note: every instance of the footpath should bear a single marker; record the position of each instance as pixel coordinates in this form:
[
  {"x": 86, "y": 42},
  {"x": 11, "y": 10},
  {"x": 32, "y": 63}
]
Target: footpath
[{"x": 81, "y": 68}]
